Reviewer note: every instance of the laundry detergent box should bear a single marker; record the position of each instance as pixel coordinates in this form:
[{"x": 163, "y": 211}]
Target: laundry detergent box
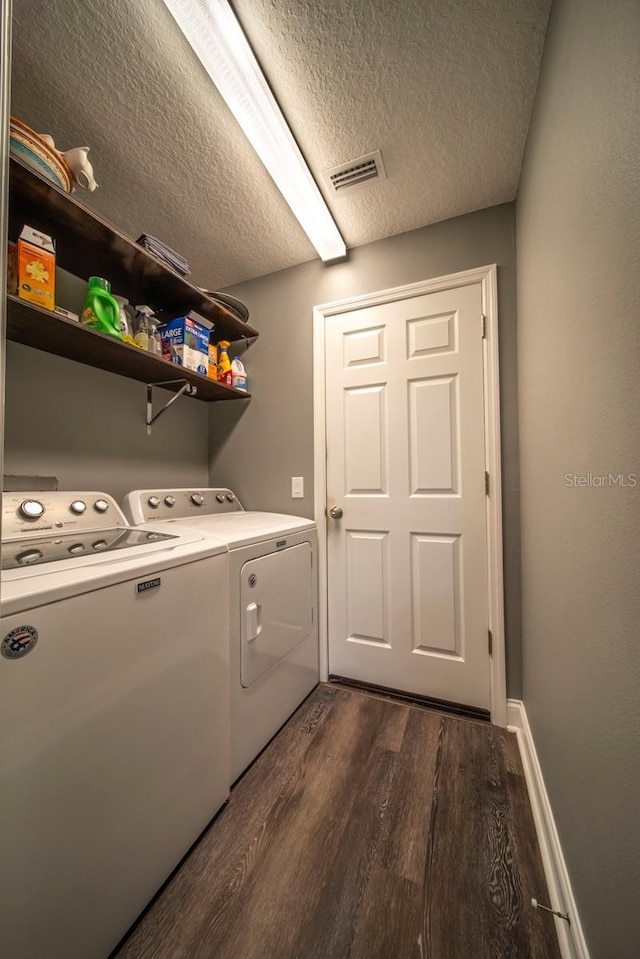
[
  {"x": 36, "y": 268},
  {"x": 185, "y": 341}
]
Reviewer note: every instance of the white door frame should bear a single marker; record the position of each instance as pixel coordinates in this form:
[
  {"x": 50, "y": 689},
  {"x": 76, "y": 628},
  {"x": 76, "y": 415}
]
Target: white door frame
[
  {"x": 5, "y": 110},
  {"x": 487, "y": 278}
]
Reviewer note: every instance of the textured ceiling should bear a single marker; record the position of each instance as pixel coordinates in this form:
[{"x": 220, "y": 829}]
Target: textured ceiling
[{"x": 443, "y": 87}]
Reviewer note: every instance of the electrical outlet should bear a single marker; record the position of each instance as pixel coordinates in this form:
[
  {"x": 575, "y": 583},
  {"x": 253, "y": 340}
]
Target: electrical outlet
[{"x": 297, "y": 487}]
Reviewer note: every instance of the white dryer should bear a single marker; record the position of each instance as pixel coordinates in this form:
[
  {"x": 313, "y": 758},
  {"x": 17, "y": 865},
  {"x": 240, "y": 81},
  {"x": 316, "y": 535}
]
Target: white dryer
[
  {"x": 273, "y": 611},
  {"x": 114, "y": 716}
]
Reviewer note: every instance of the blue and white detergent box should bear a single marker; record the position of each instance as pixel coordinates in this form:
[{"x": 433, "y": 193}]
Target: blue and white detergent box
[{"x": 185, "y": 341}]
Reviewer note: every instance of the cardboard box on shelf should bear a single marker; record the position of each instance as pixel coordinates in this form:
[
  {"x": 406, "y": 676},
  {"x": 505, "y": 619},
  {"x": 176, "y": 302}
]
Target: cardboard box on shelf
[
  {"x": 213, "y": 360},
  {"x": 185, "y": 341},
  {"x": 36, "y": 268}
]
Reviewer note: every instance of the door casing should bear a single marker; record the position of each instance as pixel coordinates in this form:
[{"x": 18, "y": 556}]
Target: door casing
[
  {"x": 487, "y": 278},
  {"x": 5, "y": 109}
]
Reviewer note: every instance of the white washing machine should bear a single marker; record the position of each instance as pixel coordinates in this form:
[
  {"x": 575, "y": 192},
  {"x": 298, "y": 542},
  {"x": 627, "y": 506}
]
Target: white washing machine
[
  {"x": 273, "y": 604},
  {"x": 114, "y": 716}
]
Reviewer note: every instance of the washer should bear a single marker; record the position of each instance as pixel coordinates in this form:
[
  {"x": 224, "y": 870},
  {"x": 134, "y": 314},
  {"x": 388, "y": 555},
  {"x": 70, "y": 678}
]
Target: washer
[
  {"x": 114, "y": 716},
  {"x": 273, "y": 604}
]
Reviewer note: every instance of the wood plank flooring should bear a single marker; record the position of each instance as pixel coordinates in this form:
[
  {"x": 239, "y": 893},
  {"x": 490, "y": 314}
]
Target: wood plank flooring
[{"x": 370, "y": 830}]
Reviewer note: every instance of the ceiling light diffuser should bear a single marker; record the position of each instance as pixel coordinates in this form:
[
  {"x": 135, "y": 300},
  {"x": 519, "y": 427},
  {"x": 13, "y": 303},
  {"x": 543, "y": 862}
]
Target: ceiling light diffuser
[{"x": 217, "y": 38}]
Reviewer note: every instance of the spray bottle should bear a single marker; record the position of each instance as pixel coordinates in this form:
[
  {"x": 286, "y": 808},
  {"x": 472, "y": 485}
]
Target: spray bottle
[{"x": 225, "y": 374}]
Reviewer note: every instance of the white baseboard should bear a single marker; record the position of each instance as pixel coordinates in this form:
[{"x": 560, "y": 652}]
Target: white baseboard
[{"x": 570, "y": 935}]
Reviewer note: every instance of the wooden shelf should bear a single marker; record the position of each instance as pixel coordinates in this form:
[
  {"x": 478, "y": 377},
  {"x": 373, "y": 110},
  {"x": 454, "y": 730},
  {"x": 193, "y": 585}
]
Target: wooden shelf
[
  {"x": 87, "y": 245},
  {"x": 42, "y": 329}
]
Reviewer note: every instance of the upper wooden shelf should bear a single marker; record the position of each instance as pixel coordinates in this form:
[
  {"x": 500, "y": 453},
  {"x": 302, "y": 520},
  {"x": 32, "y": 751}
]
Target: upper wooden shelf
[{"x": 87, "y": 245}]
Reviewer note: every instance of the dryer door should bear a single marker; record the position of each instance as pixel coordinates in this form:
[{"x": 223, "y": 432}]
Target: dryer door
[{"x": 276, "y": 608}]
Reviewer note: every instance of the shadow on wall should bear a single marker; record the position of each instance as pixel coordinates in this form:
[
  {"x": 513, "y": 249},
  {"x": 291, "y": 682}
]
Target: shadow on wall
[{"x": 224, "y": 419}]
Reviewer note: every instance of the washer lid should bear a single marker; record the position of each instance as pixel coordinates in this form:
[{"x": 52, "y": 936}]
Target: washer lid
[
  {"x": 28, "y": 586},
  {"x": 59, "y": 547},
  {"x": 244, "y": 528}
]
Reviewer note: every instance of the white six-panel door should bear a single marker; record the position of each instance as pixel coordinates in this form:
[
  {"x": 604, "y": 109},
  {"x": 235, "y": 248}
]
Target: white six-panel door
[{"x": 407, "y": 561}]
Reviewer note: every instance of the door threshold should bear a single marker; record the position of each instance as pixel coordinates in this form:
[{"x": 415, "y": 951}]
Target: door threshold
[{"x": 414, "y": 699}]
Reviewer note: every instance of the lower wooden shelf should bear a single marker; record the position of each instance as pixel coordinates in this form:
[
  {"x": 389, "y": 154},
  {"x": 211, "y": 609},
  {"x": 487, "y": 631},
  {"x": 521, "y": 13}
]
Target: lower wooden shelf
[{"x": 44, "y": 330}]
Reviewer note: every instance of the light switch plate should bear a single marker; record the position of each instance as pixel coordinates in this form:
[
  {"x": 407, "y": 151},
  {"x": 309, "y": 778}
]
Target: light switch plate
[{"x": 297, "y": 487}]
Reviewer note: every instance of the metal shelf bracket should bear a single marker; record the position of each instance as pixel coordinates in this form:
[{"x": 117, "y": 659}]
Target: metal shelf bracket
[{"x": 186, "y": 388}]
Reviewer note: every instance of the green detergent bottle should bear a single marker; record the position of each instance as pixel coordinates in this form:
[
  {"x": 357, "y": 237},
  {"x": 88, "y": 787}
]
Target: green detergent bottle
[{"x": 101, "y": 311}]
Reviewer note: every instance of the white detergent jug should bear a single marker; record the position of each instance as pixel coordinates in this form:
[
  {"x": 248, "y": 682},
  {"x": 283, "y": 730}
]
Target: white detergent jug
[{"x": 238, "y": 374}]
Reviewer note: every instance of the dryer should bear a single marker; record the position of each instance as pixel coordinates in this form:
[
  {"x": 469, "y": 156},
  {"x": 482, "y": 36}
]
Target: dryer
[
  {"x": 114, "y": 716},
  {"x": 273, "y": 604}
]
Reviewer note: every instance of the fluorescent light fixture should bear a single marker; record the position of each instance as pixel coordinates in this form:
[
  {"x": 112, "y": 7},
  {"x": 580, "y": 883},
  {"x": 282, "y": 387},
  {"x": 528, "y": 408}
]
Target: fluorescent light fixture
[{"x": 217, "y": 38}]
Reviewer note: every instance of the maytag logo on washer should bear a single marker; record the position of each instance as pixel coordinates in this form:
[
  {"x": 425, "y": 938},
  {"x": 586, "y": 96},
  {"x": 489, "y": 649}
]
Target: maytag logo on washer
[
  {"x": 148, "y": 584},
  {"x": 19, "y": 642}
]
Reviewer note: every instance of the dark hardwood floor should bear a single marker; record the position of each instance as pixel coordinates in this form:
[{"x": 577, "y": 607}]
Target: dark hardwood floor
[{"x": 370, "y": 830}]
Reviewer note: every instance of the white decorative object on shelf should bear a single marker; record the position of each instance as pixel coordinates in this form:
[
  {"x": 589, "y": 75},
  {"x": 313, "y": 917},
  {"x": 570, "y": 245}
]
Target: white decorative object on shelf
[
  {"x": 81, "y": 167},
  {"x": 39, "y": 152}
]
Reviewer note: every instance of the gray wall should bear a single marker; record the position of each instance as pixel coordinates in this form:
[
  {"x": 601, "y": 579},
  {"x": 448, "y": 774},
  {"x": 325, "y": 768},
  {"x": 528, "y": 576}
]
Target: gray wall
[
  {"x": 578, "y": 240},
  {"x": 257, "y": 449},
  {"x": 87, "y": 427}
]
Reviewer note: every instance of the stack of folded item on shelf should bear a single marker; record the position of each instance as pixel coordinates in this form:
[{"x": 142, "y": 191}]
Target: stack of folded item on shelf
[{"x": 164, "y": 253}]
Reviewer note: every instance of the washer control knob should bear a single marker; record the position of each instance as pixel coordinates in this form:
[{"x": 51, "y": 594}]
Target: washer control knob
[
  {"x": 31, "y": 508},
  {"x": 78, "y": 506},
  {"x": 153, "y": 502},
  {"x": 100, "y": 544},
  {"x": 220, "y": 497},
  {"x": 76, "y": 548},
  {"x": 29, "y": 556},
  {"x": 197, "y": 499},
  {"x": 170, "y": 500},
  {"x": 230, "y": 497},
  {"x": 101, "y": 505}
]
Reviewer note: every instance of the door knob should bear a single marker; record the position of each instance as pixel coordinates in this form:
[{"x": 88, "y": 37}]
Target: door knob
[{"x": 335, "y": 512}]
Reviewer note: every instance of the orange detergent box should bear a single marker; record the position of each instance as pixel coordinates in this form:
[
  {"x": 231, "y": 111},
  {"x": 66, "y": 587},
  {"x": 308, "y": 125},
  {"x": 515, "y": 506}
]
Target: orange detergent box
[
  {"x": 213, "y": 360},
  {"x": 36, "y": 268}
]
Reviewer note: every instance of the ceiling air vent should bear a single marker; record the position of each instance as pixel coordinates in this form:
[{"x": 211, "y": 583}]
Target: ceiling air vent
[{"x": 355, "y": 172}]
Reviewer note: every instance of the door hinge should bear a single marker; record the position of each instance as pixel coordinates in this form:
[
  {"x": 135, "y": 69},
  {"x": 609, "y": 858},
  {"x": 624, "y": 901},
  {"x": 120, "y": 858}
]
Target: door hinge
[
  {"x": 486, "y": 482},
  {"x": 484, "y": 326},
  {"x": 490, "y": 641}
]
